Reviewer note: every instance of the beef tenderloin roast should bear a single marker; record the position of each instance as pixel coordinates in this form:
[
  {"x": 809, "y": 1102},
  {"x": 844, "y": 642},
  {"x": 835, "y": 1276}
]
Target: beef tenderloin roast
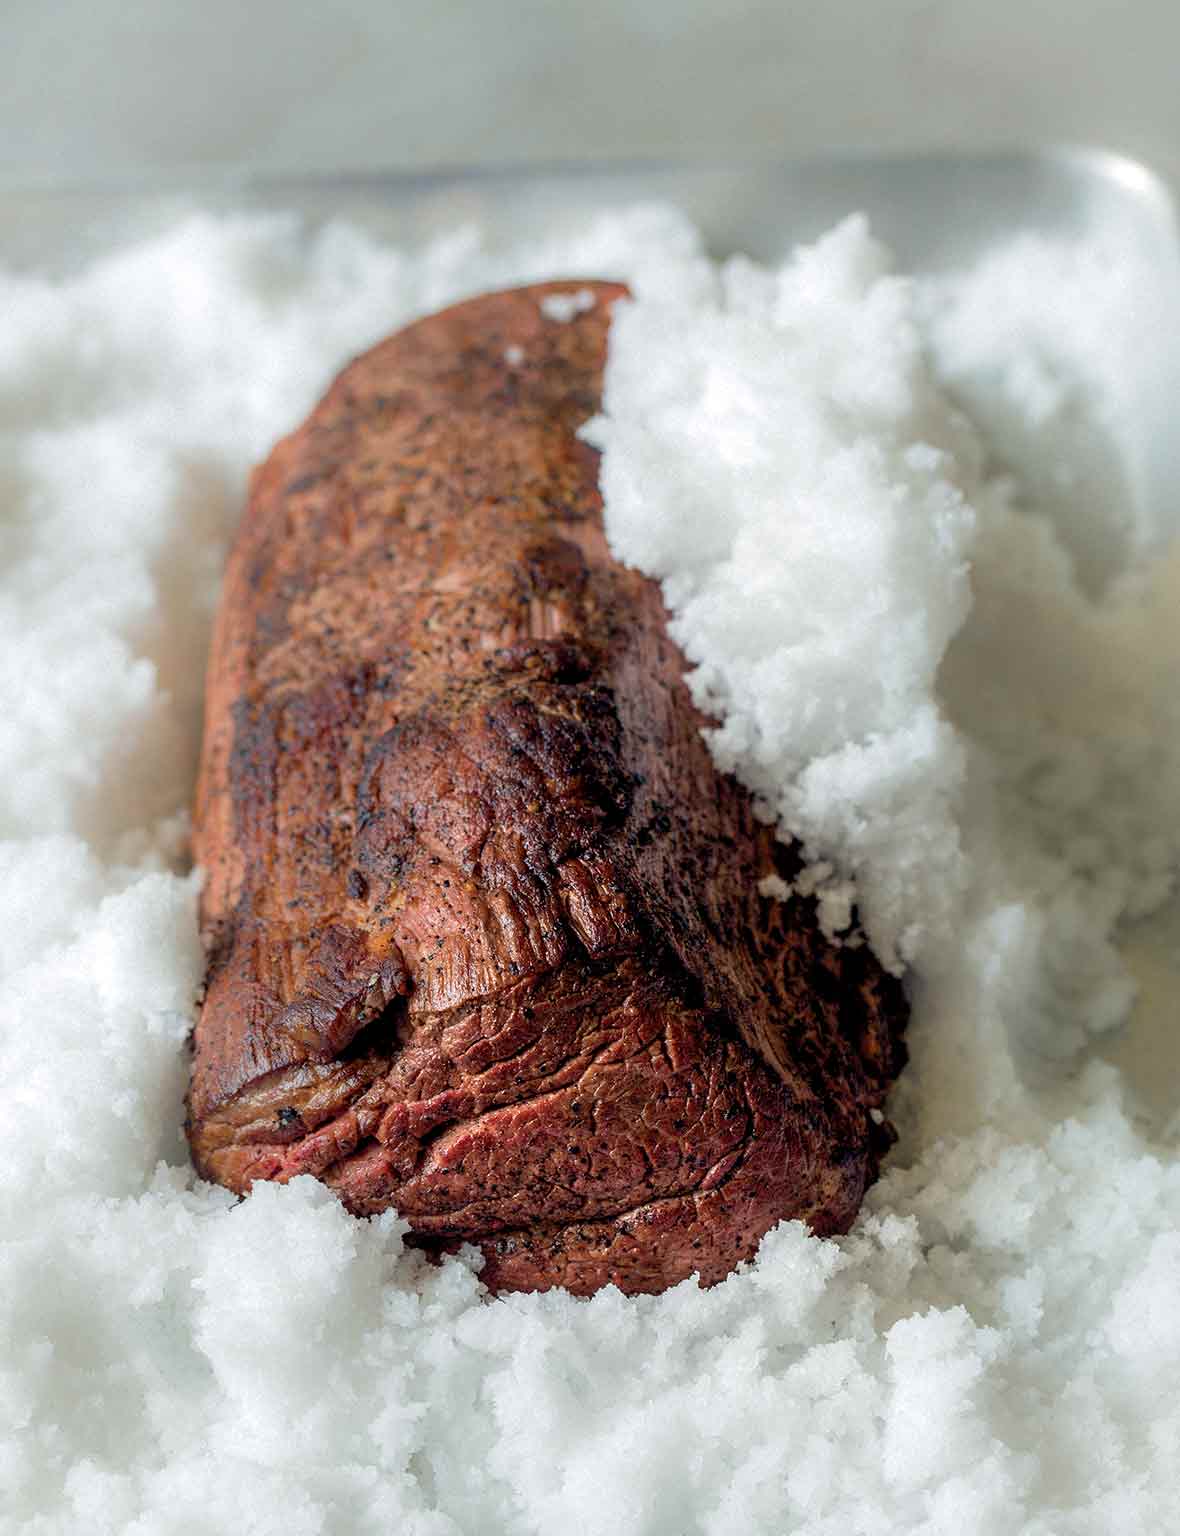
[{"x": 482, "y": 920}]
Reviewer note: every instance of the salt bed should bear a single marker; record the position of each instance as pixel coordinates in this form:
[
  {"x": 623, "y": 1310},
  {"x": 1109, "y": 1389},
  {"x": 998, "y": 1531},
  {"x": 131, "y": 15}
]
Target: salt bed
[{"x": 941, "y": 646}]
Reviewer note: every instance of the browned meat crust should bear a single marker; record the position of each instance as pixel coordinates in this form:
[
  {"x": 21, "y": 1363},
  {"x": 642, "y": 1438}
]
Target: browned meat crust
[{"x": 484, "y": 941}]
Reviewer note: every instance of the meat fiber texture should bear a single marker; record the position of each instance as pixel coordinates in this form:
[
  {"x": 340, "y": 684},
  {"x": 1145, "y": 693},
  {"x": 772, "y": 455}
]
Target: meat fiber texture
[{"x": 994, "y": 1347}]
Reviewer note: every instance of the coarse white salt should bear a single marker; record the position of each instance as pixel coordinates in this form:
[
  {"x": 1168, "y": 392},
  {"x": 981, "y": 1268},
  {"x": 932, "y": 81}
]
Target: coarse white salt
[
  {"x": 961, "y": 703},
  {"x": 514, "y": 356},
  {"x": 782, "y": 459}
]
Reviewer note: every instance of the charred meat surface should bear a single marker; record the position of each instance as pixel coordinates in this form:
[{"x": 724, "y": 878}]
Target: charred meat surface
[{"x": 483, "y": 931}]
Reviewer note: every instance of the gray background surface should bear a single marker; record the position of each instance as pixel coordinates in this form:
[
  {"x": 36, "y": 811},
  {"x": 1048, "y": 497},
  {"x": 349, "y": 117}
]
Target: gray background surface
[{"x": 117, "y": 87}]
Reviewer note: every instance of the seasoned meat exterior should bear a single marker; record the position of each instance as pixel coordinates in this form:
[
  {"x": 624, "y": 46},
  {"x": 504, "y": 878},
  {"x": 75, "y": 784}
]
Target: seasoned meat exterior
[{"x": 484, "y": 937}]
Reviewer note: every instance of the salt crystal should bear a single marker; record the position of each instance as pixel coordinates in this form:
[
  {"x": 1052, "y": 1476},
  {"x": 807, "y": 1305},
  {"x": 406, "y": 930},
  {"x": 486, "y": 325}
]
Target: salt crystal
[{"x": 564, "y": 307}]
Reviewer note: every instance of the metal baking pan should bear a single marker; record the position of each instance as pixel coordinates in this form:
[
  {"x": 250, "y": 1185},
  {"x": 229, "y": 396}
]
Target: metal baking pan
[{"x": 934, "y": 210}]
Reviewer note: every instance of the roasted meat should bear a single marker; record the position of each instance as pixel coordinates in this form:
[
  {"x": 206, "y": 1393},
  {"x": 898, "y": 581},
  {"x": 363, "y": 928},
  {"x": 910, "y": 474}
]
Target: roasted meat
[{"x": 482, "y": 920}]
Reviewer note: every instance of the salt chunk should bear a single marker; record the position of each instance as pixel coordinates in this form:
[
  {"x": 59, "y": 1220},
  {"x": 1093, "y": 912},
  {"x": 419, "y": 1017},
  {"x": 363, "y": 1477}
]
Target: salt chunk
[{"x": 564, "y": 307}]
